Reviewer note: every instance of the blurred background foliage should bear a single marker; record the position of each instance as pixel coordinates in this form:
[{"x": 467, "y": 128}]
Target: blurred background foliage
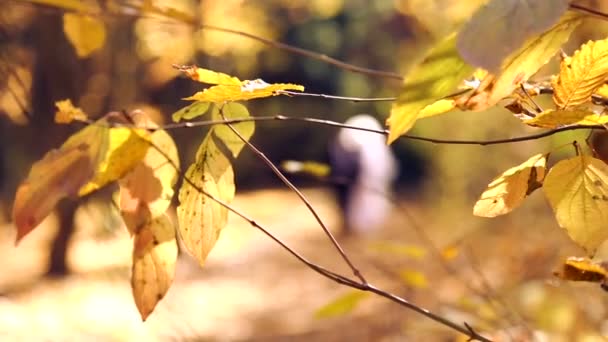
[{"x": 516, "y": 253}]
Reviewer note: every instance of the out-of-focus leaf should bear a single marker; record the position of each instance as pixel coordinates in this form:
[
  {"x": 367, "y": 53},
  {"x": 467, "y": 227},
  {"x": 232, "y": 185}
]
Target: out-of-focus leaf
[
  {"x": 68, "y": 5},
  {"x": 308, "y": 167},
  {"x": 342, "y": 305},
  {"x": 87, "y": 34},
  {"x": 581, "y": 75},
  {"x": 522, "y": 64},
  {"x": 225, "y": 134},
  {"x": 437, "y": 76},
  {"x": 126, "y": 148},
  {"x": 508, "y": 191},
  {"x": 209, "y": 76},
  {"x": 577, "y": 190},
  {"x": 201, "y": 219},
  {"x": 415, "y": 279},
  {"x": 147, "y": 190},
  {"x": 439, "y": 107},
  {"x": 502, "y": 26},
  {"x": 556, "y": 118},
  {"x": 66, "y": 112},
  {"x": 401, "y": 249},
  {"x": 582, "y": 269},
  {"x": 154, "y": 258},
  {"x": 192, "y": 111},
  {"x": 248, "y": 91},
  {"x": 450, "y": 253}
]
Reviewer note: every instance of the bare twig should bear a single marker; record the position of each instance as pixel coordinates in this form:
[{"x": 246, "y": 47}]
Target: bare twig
[
  {"x": 343, "y": 98},
  {"x": 303, "y": 198},
  {"x": 589, "y": 11}
]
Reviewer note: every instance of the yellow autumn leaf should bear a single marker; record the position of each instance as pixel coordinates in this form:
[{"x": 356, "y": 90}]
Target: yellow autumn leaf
[
  {"x": 342, "y": 305},
  {"x": 192, "y": 111},
  {"x": 577, "y": 190},
  {"x": 68, "y": 5},
  {"x": 59, "y": 174},
  {"x": 208, "y": 76},
  {"x": 508, "y": 191},
  {"x": 66, "y": 112},
  {"x": 602, "y": 91},
  {"x": 556, "y": 118},
  {"x": 415, "y": 279},
  {"x": 225, "y": 134},
  {"x": 581, "y": 75},
  {"x": 248, "y": 91},
  {"x": 201, "y": 219},
  {"x": 583, "y": 269},
  {"x": 126, "y": 148},
  {"x": 437, "y": 76},
  {"x": 438, "y": 107},
  {"x": 147, "y": 190},
  {"x": 154, "y": 258},
  {"x": 87, "y": 34}
]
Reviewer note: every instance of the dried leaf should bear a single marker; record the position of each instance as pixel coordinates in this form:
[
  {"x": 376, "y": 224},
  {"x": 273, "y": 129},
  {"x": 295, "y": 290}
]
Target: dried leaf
[
  {"x": 583, "y": 269},
  {"x": 342, "y": 305},
  {"x": 87, "y": 34},
  {"x": 192, "y": 111},
  {"x": 428, "y": 82},
  {"x": 201, "y": 219},
  {"x": 66, "y": 112},
  {"x": 154, "y": 258},
  {"x": 225, "y": 134},
  {"x": 581, "y": 75},
  {"x": 577, "y": 190},
  {"x": 508, "y": 191},
  {"x": 502, "y": 26},
  {"x": 557, "y": 118}
]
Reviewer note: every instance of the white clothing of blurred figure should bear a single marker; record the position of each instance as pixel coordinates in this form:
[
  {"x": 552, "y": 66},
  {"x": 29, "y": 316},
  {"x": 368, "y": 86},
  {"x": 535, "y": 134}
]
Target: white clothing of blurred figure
[{"x": 365, "y": 170}]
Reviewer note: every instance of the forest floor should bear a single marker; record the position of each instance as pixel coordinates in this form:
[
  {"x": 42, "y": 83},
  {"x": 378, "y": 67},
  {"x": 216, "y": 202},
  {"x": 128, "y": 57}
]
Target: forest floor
[{"x": 496, "y": 279}]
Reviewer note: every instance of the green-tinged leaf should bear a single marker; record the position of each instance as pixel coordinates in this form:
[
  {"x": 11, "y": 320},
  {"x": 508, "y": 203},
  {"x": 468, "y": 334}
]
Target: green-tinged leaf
[
  {"x": 248, "y": 91},
  {"x": 126, "y": 148},
  {"x": 147, "y": 190},
  {"x": 400, "y": 249},
  {"x": 342, "y": 305},
  {"x": 439, "y": 107},
  {"x": 154, "y": 258},
  {"x": 192, "y": 111},
  {"x": 437, "y": 76},
  {"x": 577, "y": 190},
  {"x": 87, "y": 34},
  {"x": 535, "y": 53},
  {"x": 208, "y": 76},
  {"x": 509, "y": 190},
  {"x": 201, "y": 219},
  {"x": 225, "y": 134},
  {"x": 415, "y": 279},
  {"x": 502, "y": 26},
  {"x": 581, "y": 75},
  {"x": 557, "y": 118}
]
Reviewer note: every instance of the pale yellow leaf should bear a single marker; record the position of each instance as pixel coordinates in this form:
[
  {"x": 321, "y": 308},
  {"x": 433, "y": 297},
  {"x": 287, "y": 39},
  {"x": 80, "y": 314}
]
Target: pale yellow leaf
[
  {"x": 577, "y": 190},
  {"x": 557, "y": 118},
  {"x": 87, "y": 34},
  {"x": 342, "y": 305},
  {"x": 602, "y": 91},
  {"x": 439, "y": 107},
  {"x": 581, "y": 75},
  {"x": 201, "y": 219},
  {"x": 439, "y": 74},
  {"x": 147, "y": 190},
  {"x": 508, "y": 191},
  {"x": 209, "y": 76},
  {"x": 225, "y": 134},
  {"x": 66, "y": 112},
  {"x": 154, "y": 258},
  {"x": 252, "y": 90}
]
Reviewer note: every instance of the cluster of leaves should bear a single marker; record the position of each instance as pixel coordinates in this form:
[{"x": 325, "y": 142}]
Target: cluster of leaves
[
  {"x": 130, "y": 149},
  {"x": 576, "y": 188}
]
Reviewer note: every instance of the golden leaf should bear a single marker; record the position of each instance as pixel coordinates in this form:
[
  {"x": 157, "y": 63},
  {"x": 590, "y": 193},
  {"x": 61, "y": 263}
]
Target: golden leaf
[
  {"x": 581, "y": 75},
  {"x": 225, "y": 134},
  {"x": 66, "y": 112},
  {"x": 154, "y": 258},
  {"x": 201, "y": 219},
  {"x": 577, "y": 190},
  {"x": 556, "y": 118},
  {"x": 415, "y": 279},
  {"x": 439, "y": 107},
  {"x": 208, "y": 76},
  {"x": 437, "y": 76},
  {"x": 508, "y": 191},
  {"x": 582, "y": 269},
  {"x": 248, "y": 91},
  {"x": 87, "y": 34}
]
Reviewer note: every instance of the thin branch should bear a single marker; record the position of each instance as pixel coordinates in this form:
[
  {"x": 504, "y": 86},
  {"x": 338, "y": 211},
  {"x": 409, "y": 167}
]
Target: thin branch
[
  {"x": 589, "y": 11},
  {"x": 303, "y": 198},
  {"x": 334, "y": 97}
]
